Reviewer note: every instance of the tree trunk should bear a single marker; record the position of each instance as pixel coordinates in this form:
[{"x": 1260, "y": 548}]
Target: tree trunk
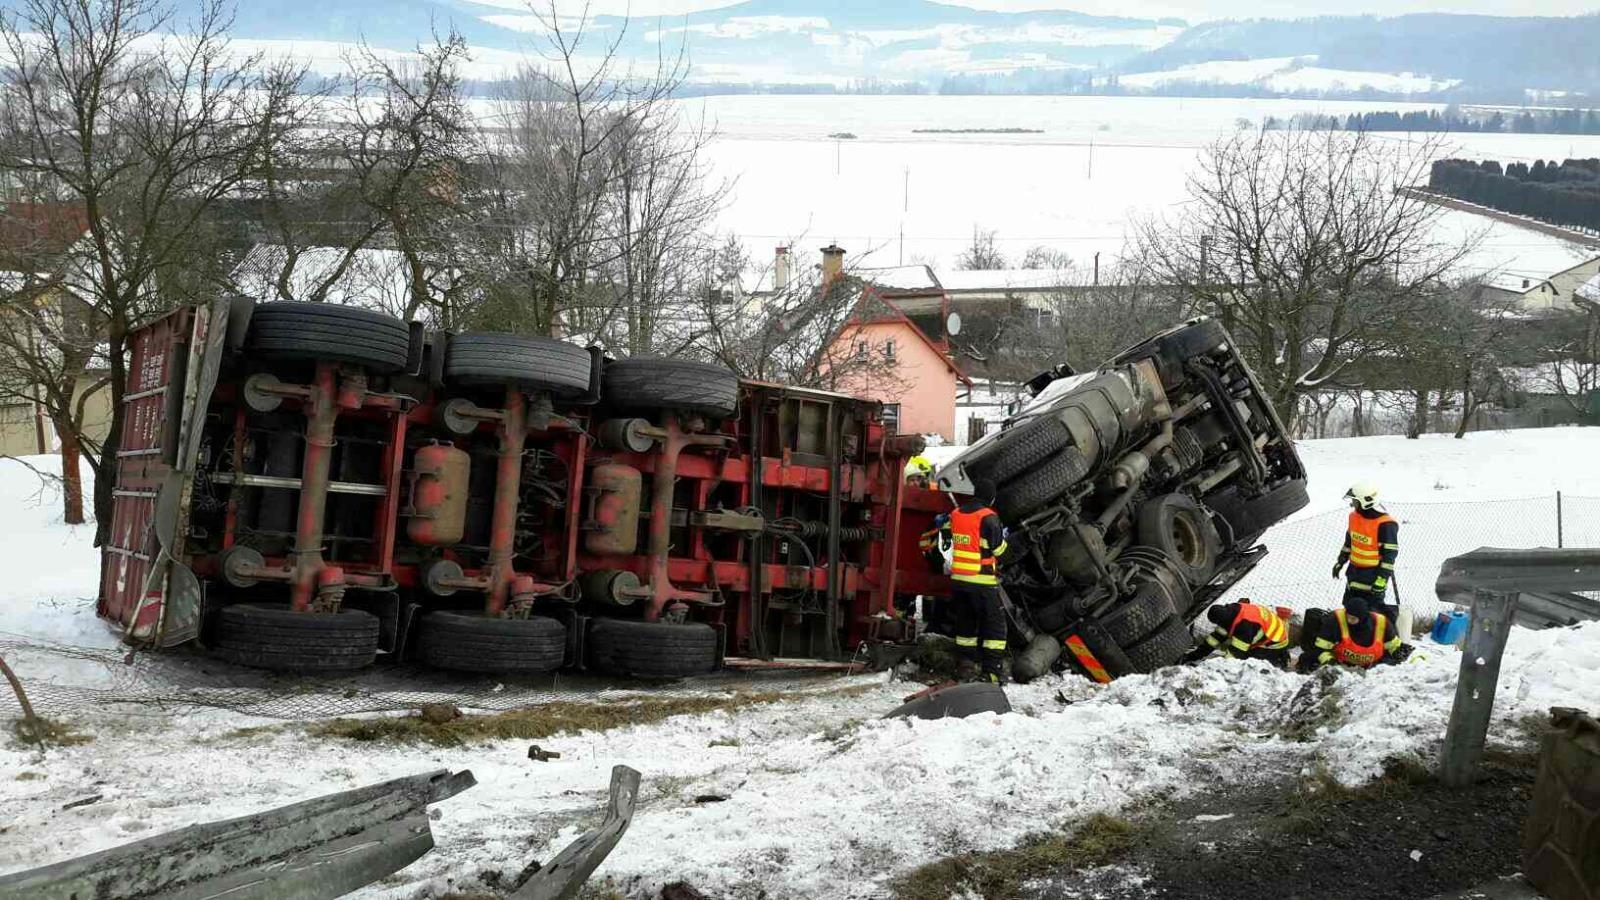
[
  {"x": 71, "y": 476},
  {"x": 1469, "y": 405},
  {"x": 116, "y": 352},
  {"x": 1419, "y": 416}
]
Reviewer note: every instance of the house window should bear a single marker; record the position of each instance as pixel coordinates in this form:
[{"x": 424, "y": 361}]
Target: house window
[
  {"x": 888, "y": 349},
  {"x": 891, "y": 417},
  {"x": 861, "y": 349}
]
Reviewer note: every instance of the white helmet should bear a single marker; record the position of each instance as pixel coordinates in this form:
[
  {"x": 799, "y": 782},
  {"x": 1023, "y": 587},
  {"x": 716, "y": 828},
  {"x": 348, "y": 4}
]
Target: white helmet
[{"x": 1364, "y": 494}]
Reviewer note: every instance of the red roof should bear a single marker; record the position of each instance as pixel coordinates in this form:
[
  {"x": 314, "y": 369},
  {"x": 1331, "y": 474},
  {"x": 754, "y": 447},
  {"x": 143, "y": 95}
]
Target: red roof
[{"x": 35, "y": 228}]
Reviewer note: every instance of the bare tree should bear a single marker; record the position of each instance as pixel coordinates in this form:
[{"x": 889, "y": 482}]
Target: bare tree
[
  {"x": 1299, "y": 243},
  {"x": 598, "y": 204},
  {"x": 1569, "y": 359},
  {"x": 107, "y": 106},
  {"x": 1042, "y": 257},
  {"x": 984, "y": 251}
]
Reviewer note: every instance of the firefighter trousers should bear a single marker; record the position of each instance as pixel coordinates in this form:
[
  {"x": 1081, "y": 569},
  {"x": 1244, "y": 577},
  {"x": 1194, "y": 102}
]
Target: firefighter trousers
[
  {"x": 980, "y": 625},
  {"x": 1359, "y": 587}
]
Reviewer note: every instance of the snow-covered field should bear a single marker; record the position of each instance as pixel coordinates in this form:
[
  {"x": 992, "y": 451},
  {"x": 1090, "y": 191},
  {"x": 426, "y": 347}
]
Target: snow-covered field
[
  {"x": 1095, "y": 165},
  {"x": 824, "y": 799}
]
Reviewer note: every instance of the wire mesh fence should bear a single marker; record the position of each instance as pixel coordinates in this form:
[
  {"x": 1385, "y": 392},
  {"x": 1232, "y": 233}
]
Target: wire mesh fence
[{"x": 1297, "y": 570}]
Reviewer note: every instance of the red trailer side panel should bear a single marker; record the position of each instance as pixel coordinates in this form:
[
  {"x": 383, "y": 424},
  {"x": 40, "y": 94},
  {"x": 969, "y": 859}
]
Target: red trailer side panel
[{"x": 129, "y": 594}]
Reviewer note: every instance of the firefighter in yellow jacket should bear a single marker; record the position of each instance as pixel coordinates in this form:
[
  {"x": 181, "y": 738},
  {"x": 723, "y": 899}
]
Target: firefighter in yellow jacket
[
  {"x": 977, "y": 542},
  {"x": 1366, "y": 559}
]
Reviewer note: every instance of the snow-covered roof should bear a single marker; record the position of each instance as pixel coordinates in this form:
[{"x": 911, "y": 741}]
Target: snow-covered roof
[
  {"x": 900, "y": 278},
  {"x": 1008, "y": 279},
  {"x": 1589, "y": 290}
]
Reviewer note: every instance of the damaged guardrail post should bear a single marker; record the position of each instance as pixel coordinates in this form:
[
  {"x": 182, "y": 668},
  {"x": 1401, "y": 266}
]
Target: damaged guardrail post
[{"x": 1492, "y": 612}]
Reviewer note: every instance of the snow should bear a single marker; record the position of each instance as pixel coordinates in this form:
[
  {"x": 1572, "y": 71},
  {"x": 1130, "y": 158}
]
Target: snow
[
  {"x": 824, "y": 798},
  {"x": 1287, "y": 74},
  {"x": 1590, "y": 290},
  {"x": 1009, "y": 279}
]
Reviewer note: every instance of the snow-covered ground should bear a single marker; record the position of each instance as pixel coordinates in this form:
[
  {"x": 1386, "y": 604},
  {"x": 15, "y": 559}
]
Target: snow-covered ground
[{"x": 824, "y": 799}]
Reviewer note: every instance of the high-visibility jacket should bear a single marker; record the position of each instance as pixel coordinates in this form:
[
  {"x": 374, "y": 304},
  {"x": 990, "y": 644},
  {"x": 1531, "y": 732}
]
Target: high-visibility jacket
[
  {"x": 1352, "y": 653},
  {"x": 1272, "y": 633},
  {"x": 972, "y": 553},
  {"x": 1366, "y": 545}
]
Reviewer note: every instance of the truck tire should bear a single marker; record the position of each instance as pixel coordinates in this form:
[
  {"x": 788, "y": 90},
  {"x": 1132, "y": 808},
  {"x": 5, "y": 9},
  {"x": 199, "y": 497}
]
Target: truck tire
[
  {"x": 649, "y": 384},
  {"x": 302, "y": 332},
  {"x": 267, "y": 636},
  {"x": 1249, "y": 519},
  {"x": 1140, "y": 616},
  {"x": 1179, "y": 527},
  {"x": 1163, "y": 648},
  {"x": 1019, "y": 449},
  {"x": 651, "y": 649},
  {"x": 1035, "y": 489},
  {"x": 473, "y": 642},
  {"x": 524, "y": 361}
]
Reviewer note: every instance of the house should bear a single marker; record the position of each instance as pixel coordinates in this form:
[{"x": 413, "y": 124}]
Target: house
[
  {"x": 883, "y": 355},
  {"x": 35, "y": 293},
  {"x": 1539, "y": 290}
]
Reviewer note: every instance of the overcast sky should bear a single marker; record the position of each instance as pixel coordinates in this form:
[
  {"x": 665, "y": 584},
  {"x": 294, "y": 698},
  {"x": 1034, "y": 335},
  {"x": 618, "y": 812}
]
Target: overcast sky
[{"x": 1194, "y": 10}]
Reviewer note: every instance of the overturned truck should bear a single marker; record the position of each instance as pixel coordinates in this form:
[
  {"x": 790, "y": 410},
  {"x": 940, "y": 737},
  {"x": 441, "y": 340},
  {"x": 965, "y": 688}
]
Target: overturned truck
[
  {"x": 307, "y": 487},
  {"x": 1134, "y": 496}
]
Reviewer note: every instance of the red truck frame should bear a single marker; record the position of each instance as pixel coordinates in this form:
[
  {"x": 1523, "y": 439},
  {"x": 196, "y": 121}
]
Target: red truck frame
[{"x": 308, "y": 513}]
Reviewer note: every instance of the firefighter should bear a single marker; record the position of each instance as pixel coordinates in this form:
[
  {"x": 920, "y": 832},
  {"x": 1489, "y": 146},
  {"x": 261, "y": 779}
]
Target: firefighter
[
  {"x": 1245, "y": 631},
  {"x": 1371, "y": 543},
  {"x": 919, "y": 471},
  {"x": 977, "y": 542},
  {"x": 1357, "y": 636}
]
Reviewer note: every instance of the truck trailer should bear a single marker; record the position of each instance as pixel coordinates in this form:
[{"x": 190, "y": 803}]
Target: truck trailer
[{"x": 306, "y": 487}]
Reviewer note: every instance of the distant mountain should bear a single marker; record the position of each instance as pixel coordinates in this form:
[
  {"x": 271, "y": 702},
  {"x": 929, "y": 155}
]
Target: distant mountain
[
  {"x": 1480, "y": 53},
  {"x": 839, "y": 41}
]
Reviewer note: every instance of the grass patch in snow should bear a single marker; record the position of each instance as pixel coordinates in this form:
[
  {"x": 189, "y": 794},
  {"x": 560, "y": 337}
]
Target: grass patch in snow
[
  {"x": 47, "y": 733},
  {"x": 539, "y": 721},
  {"x": 994, "y": 874}
]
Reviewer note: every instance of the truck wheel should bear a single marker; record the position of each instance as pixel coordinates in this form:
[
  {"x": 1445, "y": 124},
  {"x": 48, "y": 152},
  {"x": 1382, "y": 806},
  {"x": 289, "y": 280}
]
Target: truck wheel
[
  {"x": 645, "y": 383},
  {"x": 1163, "y": 648},
  {"x": 265, "y": 636},
  {"x": 1019, "y": 449},
  {"x": 473, "y": 642},
  {"x": 1140, "y": 616},
  {"x": 301, "y": 331},
  {"x": 1033, "y": 490},
  {"x": 651, "y": 649},
  {"x": 532, "y": 363},
  {"x": 1176, "y": 525},
  {"x": 1249, "y": 519}
]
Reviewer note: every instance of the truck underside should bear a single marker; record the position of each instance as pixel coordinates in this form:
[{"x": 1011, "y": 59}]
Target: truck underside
[{"x": 1134, "y": 497}]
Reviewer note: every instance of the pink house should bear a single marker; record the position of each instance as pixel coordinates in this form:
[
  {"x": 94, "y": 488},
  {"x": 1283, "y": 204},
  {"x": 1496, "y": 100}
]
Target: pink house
[{"x": 883, "y": 355}]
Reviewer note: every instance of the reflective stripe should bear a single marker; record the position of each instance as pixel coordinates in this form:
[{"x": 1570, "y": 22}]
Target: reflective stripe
[
  {"x": 1001, "y": 550},
  {"x": 1215, "y": 638},
  {"x": 966, "y": 554},
  {"x": 971, "y": 561},
  {"x": 1080, "y": 652},
  {"x": 966, "y": 642},
  {"x": 1325, "y": 644},
  {"x": 1324, "y": 657},
  {"x": 1363, "y": 539},
  {"x": 993, "y": 644},
  {"x": 1358, "y": 586},
  {"x": 1274, "y": 634},
  {"x": 1239, "y": 644},
  {"x": 973, "y": 579}
]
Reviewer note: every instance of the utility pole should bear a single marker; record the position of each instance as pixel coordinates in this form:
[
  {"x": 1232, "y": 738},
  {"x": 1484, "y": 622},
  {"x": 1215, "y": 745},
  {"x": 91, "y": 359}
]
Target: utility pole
[
  {"x": 838, "y": 151},
  {"x": 902, "y": 244},
  {"x": 1091, "y": 157},
  {"x": 905, "y": 203}
]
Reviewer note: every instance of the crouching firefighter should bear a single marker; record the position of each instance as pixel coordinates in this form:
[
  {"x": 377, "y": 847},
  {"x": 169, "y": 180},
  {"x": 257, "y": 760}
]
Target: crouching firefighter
[
  {"x": 1245, "y": 631},
  {"x": 1371, "y": 544},
  {"x": 1356, "y": 637},
  {"x": 977, "y": 541}
]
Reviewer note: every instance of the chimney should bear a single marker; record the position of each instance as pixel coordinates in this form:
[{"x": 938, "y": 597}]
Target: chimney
[
  {"x": 780, "y": 268},
  {"x": 832, "y": 262}
]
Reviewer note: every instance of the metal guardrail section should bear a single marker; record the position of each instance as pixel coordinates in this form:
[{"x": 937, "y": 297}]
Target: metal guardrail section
[
  {"x": 1491, "y": 582},
  {"x": 319, "y": 848}
]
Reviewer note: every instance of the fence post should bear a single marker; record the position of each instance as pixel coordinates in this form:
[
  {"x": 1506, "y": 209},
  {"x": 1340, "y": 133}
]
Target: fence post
[
  {"x": 1560, "y": 524},
  {"x": 1492, "y": 612}
]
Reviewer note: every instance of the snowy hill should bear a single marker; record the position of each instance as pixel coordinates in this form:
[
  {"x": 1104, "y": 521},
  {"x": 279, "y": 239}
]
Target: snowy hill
[{"x": 837, "y": 42}]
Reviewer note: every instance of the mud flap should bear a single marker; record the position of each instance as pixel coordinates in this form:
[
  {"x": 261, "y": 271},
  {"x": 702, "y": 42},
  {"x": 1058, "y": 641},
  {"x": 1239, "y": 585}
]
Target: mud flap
[
  {"x": 1093, "y": 653},
  {"x": 953, "y": 701},
  {"x": 319, "y": 848}
]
